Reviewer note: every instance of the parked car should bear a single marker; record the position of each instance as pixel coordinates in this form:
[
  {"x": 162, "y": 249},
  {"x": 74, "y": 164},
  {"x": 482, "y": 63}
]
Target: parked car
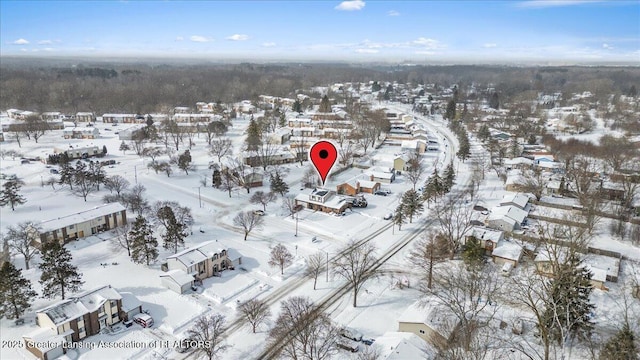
[
  {"x": 387, "y": 191},
  {"x": 258, "y": 212},
  {"x": 480, "y": 208},
  {"x": 380, "y": 193},
  {"x": 347, "y": 345},
  {"x": 350, "y": 333},
  {"x": 143, "y": 320},
  {"x": 388, "y": 216},
  {"x": 368, "y": 341},
  {"x": 53, "y": 171}
]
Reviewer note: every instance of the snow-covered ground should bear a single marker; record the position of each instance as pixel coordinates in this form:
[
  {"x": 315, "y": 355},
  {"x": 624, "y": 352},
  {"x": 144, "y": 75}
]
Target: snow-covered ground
[{"x": 380, "y": 302}]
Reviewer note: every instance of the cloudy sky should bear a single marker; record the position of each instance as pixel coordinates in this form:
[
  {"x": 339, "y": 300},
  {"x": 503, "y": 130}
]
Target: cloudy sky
[{"x": 420, "y": 31}]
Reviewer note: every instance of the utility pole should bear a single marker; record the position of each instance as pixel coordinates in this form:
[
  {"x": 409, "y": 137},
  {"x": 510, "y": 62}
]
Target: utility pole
[
  {"x": 296, "y": 234},
  {"x": 135, "y": 170},
  {"x": 327, "y": 265},
  {"x": 199, "y": 198}
]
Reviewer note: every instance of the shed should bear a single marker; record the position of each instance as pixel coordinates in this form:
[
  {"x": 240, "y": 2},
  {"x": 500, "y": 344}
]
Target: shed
[{"x": 507, "y": 252}]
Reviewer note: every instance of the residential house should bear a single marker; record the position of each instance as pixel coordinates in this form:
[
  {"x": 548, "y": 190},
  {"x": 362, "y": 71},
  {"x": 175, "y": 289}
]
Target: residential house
[
  {"x": 401, "y": 163},
  {"x": 130, "y": 132},
  {"x": 278, "y": 157},
  {"x": 507, "y": 252},
  {"x": 76, "y": 318},
  {"x": 403, "y": 346},
  {"x": 52, "y": 115},
  {"x": 197, "y": 263},
  {"x": 518, "y": 163},
  {"x": 506, "y": 218},
  {"x": 85, "y": 117},
  {"x": 79, "y": 152},
  {"x": 358, "y": 184},
  {"x": 84, "y": 223},
  {"x": 192, "y": 118},
  {"x": 434, "y": 324},
  {"x": 381, "y": 175},
  {"x": 322, "y": 199},
  {"x": 121, "y": 118},
  {"x": 416, "y": 146},
  {"x": 488, "y": 238},
  {"x": 603, "y": 268},
  {"x": 520, "y": 201},
  {"x": 81, "y": 133}
]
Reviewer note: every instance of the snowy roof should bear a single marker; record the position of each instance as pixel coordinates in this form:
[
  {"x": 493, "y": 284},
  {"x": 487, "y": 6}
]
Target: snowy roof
[
  {"x": 520, "y": 200},
  {"x": 609, "y": 264},
  {"x": 46, "y": 339},
  {"x": 597, "y": 274},
  {"x": 199, "y": 253},
  {"x": 434, "y": 316},
  {"x": 331, "y": 201},
  {"x": 80, "y": 304},
  {"x": 482, "y": 233},
  {"x": 508, "y": 250},
  {"x": 511, "y": 212},
  {"x": 178, "y": 276},
  {"x": 368, "y": 184},
  {"x": 380, "y": 175},
  {"x": 129, "y": 301},
  {"x": 518, "y": 160},
  {"x": 80, "y": 217},
  {"x": 403, "y": 345}
]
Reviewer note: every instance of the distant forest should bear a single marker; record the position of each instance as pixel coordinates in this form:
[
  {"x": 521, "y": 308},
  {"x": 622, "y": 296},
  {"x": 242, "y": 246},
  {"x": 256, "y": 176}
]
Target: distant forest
[{"x": 154, "y": 86}]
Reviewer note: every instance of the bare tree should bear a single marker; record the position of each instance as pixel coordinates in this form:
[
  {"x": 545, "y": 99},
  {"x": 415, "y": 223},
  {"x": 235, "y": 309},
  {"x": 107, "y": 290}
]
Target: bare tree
[
  {"x": 255, "y": 311},
  {"x": 301, "y": 147},
  {"x": 454, "y": 219},
  {"x": 289, "y": 204},
  {"x": 534, "y": 182},
  {"x": 116, "y": 183},
  {"x": 303, "y": 331},
  {"x": 21, "y": 238},
  {"x": 315, "y": 262},
  {"x": 207, "y": 336},
  {"x": 260, "y": 197},
  {"x": 248, "y": 221},
  {"x": 35, "y": 127},
  {"x": 267, "y": 149},
  {"x": 227, "y": 180},
  {"x": 152, "y": 153},
  {"x": 429, "y": 250},
  {"x": 415, "y": 170},
  {"x": 281, "y": 257},
  {"x": 174, "y": 131},
  {"x": 356, "y": 265},
  {"x": 82, "y": 181},
  {"x": 122, "y": 238},
  {"x": 220, "y": 148},
  {"x": 468, "y": 296}
]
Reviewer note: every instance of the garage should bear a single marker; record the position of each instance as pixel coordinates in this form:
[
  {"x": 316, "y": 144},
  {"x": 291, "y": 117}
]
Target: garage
[{"x": 177, "y": 280}]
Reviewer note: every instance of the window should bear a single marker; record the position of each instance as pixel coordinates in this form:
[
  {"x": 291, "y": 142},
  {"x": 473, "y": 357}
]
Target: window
[
  {"x": 215, "y": 256},
  {"x": 114, "y": 315},
  {"x": 421, "y": 331},
  {"x": 71, "y": 226}
]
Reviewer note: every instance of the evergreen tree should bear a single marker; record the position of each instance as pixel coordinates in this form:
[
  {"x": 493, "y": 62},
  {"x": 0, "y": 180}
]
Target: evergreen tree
[
  {"x": 621, "y": 346},
  {"x": 412, "y": 204},
  {"x": 399, "y": 217},
  {"x": 10, "y": 194},
  {"x": 297, "y": 106},
  {"x": 253, "y": 140},
  {"x": 184, "y": 161},
  {"x": 568, "y": 310},
  {"x": 483, "y": 133},
  {"x": 104, "y": 150},
  {"x": 449, "y": 177},
  {"x": 435, "y": 186},
  {"x": 216, "y": 178},
  {"x": 465, "y": 147},
  {"x": 494, "y": 102},
  {"x": 532, "y": 139},
  {"x": 375, "y": 87},
  {"x": 124, "y": 147},
  {"x": 278, "y": 185},
  {"x": 633, "y": 92},
  {"x": 325, "y": 105},
  {"x": 144, "y": 246},
  {"x": 175, "y": 232},
  {"x": 282, "y": 121},
  {"x": 15, "y": 292},
  {"x": 59, "y": 276},
  {"x": 450, "y": 113},
  {"x": 473, "y": 252}
]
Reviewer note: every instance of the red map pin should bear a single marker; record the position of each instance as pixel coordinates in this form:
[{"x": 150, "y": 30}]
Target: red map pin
[{"x": 323, "y": 155}]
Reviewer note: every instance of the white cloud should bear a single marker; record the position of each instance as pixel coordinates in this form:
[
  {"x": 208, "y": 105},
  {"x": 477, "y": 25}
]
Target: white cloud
[
  {"x": 269, "y": 44},
  {"x": 179, "y": 38},
  {"x": 198, "y": 38},
  {"x": 427, "y": 43},
  {"x": 45, "y": 42},
  {"x": 238, "y": 37},
  {"x": 350, "y": 5},
  {"x": 48, "y": 49},
  {"x": 607, "y": 46},
  {"x": 21, "y": 42},
  {"x": 490, "y": 45},
  {"x": 393, "y": 13},
  {"x": 539, "y": 4},
  {"x": 367, "y": 51}
]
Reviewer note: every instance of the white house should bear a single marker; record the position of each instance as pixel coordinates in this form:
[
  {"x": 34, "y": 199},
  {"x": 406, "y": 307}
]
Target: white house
[
  {"x": 520, "y": 201},
  {"x": 506, "y": 218}
]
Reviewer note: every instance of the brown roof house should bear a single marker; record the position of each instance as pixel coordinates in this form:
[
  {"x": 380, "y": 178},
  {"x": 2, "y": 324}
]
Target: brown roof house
[
  {"x": 76, "y": 318},
  {"x": 194, "y": 264},
  {"x": 324, "y": 200}
]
